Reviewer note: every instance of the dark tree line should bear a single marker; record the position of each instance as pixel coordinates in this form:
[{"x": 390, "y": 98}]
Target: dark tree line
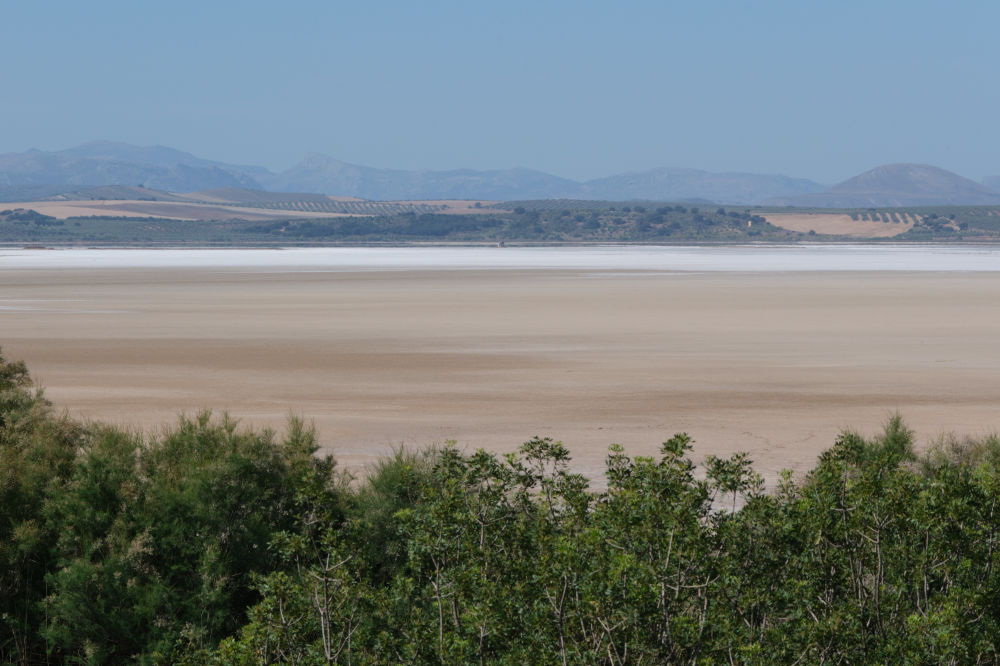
[{"x": 611, "y": 223}]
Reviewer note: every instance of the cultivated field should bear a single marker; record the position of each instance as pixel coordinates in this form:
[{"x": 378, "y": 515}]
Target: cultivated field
[
  {"x": 245, "y": 205},
  {"x": 842, "y": 224},
  {"x": 776, "y": 364},
  {"x": 172, "y": 210}
]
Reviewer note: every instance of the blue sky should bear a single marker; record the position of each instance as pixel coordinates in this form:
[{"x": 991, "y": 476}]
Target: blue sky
[{"x": 822, "y": 90}]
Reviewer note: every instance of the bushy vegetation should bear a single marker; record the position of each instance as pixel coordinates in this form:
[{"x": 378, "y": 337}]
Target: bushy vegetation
[
  {"x": 521, "y": 223},
  {"x": 218, "y": 545},
  {"x": 25, "y": 216},
  {"x": 551, "y": 221},
  {"x": 114, "y": 547},
  {"x": 526, "y": 223}
]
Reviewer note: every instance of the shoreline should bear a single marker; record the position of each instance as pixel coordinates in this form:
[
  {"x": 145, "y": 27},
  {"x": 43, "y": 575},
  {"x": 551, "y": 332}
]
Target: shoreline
[
  {"x": 771, "y": 258},
  {"x": 874, "y": 242}
]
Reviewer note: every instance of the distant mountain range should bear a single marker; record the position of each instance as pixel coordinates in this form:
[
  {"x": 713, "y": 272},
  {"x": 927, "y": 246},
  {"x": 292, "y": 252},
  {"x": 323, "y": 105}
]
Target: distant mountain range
[{"x": 37, "y": 174}]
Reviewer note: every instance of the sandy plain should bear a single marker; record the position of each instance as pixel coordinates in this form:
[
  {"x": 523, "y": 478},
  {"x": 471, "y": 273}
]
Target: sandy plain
[{"x": 772, "y": 363}]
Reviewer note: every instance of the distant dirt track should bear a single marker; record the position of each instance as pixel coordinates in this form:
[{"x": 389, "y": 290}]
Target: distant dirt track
[
  {"x": 174, "y": 210},
  {"x": 837, "y": 224}
]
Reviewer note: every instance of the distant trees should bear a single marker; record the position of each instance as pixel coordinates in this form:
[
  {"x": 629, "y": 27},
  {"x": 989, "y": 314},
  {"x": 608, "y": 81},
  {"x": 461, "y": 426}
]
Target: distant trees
[{"x": 26, "y": 215}]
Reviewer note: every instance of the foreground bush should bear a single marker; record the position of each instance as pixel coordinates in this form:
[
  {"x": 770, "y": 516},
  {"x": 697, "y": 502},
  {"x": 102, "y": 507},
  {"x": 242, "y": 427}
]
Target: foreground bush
[
  {"x": 215, "y": 545},
  {"x": 114, "y": 548}
]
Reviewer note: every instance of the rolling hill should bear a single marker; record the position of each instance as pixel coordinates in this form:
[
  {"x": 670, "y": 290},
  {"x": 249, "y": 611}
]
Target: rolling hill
[
  {"x": 323, "y": 174},
  {"x": 897, "y": 185},
  {"x": 667, "y": 184},
  {"x": 102, "y": 163}
]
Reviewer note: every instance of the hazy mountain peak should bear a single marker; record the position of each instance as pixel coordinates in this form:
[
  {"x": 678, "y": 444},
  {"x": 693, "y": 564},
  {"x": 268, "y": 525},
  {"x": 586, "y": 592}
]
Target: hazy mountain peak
[
  {"x": 901, "y": 184},
  {"x": 906, "y": 177},
  {"x": 116, "y": 150},
  {"x": 100, "y": 163}
]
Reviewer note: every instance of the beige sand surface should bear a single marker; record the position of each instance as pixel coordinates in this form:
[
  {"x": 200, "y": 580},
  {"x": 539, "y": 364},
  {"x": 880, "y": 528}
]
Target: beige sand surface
[
  {"x": 775, "y": 364},
  {"x": 838, "y": 224},
  {"x": 64, "y": 209}
]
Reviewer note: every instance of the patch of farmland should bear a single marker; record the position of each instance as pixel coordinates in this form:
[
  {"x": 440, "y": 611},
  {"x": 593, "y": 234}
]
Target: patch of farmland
[
  {"x": 840, "y": 224},
  {"x": 359, "y": 208},
  {"x": 162, "y": 209}
]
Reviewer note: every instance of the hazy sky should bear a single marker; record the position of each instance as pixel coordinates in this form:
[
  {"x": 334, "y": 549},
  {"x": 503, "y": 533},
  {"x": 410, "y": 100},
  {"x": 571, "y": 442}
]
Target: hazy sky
[{"x": 581, "y": 89}]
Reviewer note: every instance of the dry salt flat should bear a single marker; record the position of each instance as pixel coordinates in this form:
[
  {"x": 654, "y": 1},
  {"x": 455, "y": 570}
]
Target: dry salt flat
[{"x": 773, "y": 350}]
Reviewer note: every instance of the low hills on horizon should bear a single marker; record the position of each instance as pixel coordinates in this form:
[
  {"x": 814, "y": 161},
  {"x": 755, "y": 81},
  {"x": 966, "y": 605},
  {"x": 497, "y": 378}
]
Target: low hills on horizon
[
  {"x": 38, "y": 174},
  {"x": 898, "y": 185}
]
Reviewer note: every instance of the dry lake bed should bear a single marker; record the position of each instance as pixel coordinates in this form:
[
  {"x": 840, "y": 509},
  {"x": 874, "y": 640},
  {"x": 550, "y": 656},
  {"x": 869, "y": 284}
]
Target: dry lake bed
[{"x": 769, "y": 350}]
